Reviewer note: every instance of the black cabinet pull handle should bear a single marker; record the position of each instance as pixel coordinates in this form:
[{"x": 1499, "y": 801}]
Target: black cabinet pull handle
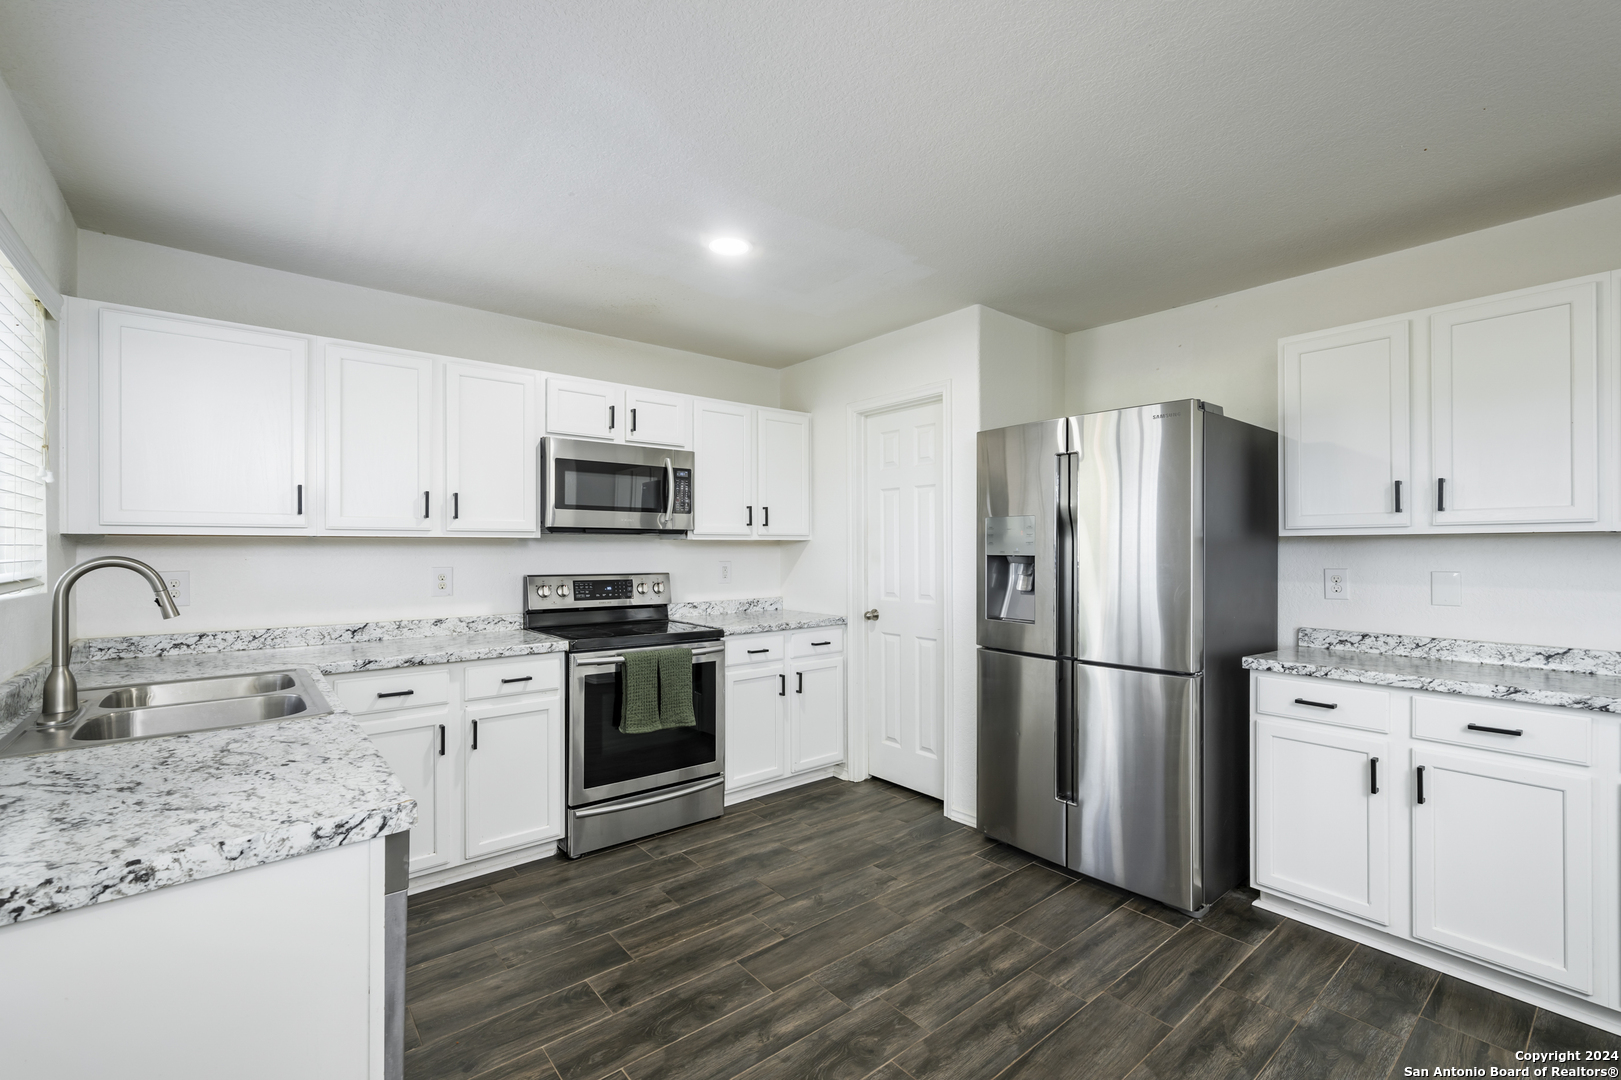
[
  {"x": 816, "y": 643},
  {"x": 800, "y": 688},
  {"x": 521, "y": 678},
  {"x": 424, "y": 504},
  {"x": 1373, "y": 776},
  {"x": 1497, "y": 730},
  {"x": 753, "y": 651},
  {"x": 475, "y": 734},
  {"x": 782, "y": 686},
  {"x": 1398, "y": 496},
  {"x": 1317, "y": 704},
  {"x": 750, "y": 521},
  {"x": 455, "y": 505},
  {"x": 441, "y": 740},
  {"x": 633, "y": 421},
  {"x": 1440, "y": 493},
  {"x": 397, "y": 693},
  {"x": 301, "y": 498},
  {"x": 766, "y": 512},
  {"x": 1421, "y": 785},
  {"x": 610, "y": 418}
]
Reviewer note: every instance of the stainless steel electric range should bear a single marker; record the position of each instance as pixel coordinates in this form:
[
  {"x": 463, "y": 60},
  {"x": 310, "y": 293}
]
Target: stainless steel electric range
[{"x": 622, "y": 787}]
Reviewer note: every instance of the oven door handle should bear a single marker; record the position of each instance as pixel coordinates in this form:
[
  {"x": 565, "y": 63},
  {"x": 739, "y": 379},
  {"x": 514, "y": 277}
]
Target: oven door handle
[
  {"x": 663, "y": 796},
  {"x": 588, "y": 660}
]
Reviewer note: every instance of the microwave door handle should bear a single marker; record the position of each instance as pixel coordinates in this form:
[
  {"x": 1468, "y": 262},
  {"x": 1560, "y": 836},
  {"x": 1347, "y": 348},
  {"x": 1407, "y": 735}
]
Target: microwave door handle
[{"x": 669, "y": 490}]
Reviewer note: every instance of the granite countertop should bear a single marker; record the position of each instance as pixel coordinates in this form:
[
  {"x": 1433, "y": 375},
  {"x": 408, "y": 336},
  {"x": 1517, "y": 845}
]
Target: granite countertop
[
  {"x": 759, "y": 615},
  {"x": 1587, "y": 679},
  {"x": 84, "y": 826}
]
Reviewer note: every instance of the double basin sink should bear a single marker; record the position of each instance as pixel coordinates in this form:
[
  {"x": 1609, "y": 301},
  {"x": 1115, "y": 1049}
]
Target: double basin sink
[{"x": 151, "y": 710}]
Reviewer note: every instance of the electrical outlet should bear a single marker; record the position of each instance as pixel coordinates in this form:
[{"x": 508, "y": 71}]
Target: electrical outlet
[
  {"x": 1337, "y": 584},
  {"x": 444, "y": 581},
  {"x": 179, "y": 583},
  {"x": 725, "y": 571}
]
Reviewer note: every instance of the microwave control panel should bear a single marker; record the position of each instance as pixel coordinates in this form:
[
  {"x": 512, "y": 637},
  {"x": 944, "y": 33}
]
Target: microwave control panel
[{"x": 683, "y": 491}]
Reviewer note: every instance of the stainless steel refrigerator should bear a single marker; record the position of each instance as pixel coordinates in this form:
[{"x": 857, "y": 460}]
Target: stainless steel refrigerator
[{"x": 1127, "y": 562}]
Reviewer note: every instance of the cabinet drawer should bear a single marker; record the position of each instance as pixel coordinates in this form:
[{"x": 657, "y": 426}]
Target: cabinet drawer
[
  {"x": 509, "y": 678},
  {"x": 404, "y": 688},
  {"x": 1551, "y": 735},
  {"x": 1323, "y": 700},
  {"x": 754, "y": 649},
  {"x": 822, "y": 641}
]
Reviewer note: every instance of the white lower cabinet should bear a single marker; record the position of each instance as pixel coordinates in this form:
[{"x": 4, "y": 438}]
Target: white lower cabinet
[
  {"x": 784, "y": 714},
  {"x": 486, "y": 771}
]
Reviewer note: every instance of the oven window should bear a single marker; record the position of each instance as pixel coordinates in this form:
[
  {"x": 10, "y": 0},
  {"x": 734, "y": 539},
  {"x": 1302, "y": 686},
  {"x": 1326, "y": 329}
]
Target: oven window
[
  {"x": 612, "y": 757},
  {"x": 609, "y": 485}
]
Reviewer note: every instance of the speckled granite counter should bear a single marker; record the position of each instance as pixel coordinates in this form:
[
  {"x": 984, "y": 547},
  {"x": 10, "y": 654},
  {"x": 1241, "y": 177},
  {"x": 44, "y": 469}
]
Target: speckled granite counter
[
  {"x": 754, "y": 616},
  {"x": 1587, "y": 679},
  {"x": 84, "y": 826}
]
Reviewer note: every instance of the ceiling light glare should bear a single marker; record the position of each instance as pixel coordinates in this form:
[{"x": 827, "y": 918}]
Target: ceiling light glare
[{"x": 730, "y": 246}]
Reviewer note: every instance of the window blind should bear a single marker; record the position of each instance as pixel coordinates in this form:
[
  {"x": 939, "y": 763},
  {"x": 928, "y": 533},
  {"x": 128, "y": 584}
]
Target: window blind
[{"x": 22, "y": 434}]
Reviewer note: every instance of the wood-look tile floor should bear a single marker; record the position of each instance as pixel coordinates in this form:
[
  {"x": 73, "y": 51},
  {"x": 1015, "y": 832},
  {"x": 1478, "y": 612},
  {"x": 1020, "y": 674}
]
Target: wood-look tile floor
[{"x": 850, "y": 930}]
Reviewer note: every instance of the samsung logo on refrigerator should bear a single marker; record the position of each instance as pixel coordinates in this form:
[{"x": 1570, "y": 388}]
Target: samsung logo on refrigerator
[{"x": 1163, "y": 415}]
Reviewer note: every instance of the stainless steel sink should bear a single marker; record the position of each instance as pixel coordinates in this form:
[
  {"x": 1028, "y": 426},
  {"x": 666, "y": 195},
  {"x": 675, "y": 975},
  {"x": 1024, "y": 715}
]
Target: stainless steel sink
[{"x": 153, "y": 710}]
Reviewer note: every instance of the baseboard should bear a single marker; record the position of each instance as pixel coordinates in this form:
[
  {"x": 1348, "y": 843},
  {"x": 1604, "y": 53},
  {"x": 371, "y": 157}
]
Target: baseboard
[
  {"x": 433, "y": 879},
  {"x": 1536, "y": 994},
  {"x": 783, "y": 783}
]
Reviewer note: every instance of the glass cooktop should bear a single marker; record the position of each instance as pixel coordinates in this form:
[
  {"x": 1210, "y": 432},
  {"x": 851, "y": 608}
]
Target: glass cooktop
[{"x": 632, "y": 634}]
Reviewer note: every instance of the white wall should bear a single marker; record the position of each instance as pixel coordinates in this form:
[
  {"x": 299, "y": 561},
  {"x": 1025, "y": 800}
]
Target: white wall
[
  {"x": 31, "y": 203},
  {"x": 942, "y": 351},
  {"x": 243, "y": 582},
  {"x": 1543, "y": 589},
  {"x": 1021, "y": 371}
]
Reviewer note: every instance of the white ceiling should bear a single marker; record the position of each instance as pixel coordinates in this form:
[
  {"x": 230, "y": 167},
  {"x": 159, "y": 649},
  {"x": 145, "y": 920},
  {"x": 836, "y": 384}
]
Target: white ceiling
[{"x": 1071, "y": 163}]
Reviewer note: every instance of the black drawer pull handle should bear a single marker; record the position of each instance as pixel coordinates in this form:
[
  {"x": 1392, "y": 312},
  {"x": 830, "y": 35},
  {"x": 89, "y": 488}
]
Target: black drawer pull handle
[
  {"x": 816, "y": 643},
  {"x": 455, "y": 505},
  {"x": 475, "y": 734},
  {"x": 753, "y": 651},
  {"x": 750, "y": 521},
  {"x": 424, "y": 504},
  {"x": 398, "y": 693},
  {"x": 800, "y": 689},
  {"x": 1373, "y": 776},
  {"x": 1497, "y": 730},
  {"x": 1421, "y": 785},
  {"x": 1317, "y": 704},
  {"x": 610, "y": 418},
  {"x": 766, "y": 512},
  {"x": 782, "y": 686},
  {"x": 1398, "y": 496},
  {"x": 301, "y": 498},
  {"x": 633, "y": 421},
  {"x": 441, "y": 740},
  {"x": 1440, "y": 494},
  {"x": 521, "y": 678}
]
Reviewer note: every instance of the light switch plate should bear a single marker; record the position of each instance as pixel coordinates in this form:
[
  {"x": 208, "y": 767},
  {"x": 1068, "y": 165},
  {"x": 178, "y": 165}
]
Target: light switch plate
[
  {"x": 725, "y": 571},
  {"x": 1446, "y": 588},
  {"x": 179, "y": 583},
  {"x": 1336, "y": 583}
]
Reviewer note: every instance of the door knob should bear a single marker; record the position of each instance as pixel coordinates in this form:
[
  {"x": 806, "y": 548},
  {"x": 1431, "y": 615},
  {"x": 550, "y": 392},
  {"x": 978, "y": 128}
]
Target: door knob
[{"x": 871, "y": 616}]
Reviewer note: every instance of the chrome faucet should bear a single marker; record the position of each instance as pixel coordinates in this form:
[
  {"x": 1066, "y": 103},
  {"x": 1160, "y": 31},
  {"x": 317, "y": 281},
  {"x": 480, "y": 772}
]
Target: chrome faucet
[{"x": 61, "y": 691}]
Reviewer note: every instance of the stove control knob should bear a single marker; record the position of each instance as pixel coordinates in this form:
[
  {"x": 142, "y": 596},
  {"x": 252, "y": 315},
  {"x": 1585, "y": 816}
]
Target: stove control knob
[
  {"x": 543, "y": 590},
  {"x": 641, "y": 587},
  {"x": 658, "y": 586},
  {"x": 562, "y": 590}
]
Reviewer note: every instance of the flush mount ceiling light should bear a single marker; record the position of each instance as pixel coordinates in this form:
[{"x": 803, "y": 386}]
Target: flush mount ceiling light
[{"x": 730, "y": 245}]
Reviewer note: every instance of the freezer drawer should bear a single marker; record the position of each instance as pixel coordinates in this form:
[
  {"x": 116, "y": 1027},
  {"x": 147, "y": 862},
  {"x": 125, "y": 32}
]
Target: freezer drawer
[
  {"x": 1018, "y": 753},
  {"x": 1136, "y": 817}
]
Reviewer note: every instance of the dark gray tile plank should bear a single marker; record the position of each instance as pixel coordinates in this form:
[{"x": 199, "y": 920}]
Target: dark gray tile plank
[
  {"x": 534, "y": 1065},
  {"x": 557, "y": 872},
  {"x": 957, "y": 879},
  {"x": 933, "y": 857},
  {"x": 930, "y": 830},
  {"x": 412, "y": 1038},
  {"x": 1010, "y": 858},
  {"x": 746, "y": 1037},
  {"x": 1236, "y": 915},
  {"x": 794, "y": 881},
  {"x": 849, "y": 1048},
  {"x": 508, "y": 1035},
  {"x": 993, "y": 1033},
  {"x": 657, "y": 972},
  {"x": 1156, "y": 910},
  {"x": 622, "y": 911},
  {"x": 1177, "y": 976},
  {"x": 1431, "y": 1045},
  {"x": 421, "y": 915},
  {"x": 712, "y": 879},
  {"x": 671, "y": 843},
  {"x": 792, "y": 958},
  {"x": 455, "y": 936},
  {"x": 1288, "y": 971},
  {"x": 1228, "y": 1037},
  {"x": 444, "y": 973},
  {"x": 1551, "y": 1031},
  {"x": 1104, "y": 952},
  {"x": 1485, "y": 1014},
  {"x": 820, "y": 904},
  {"x": 1003, "y": 900},
  {"x": 1066, "y": 913},
  {"x": 1327, "y": 1045},
  {"x": 1101, "y": 1042},
  {"x": 590, "y": 893},
  {"x": 669, "y": 927},
  {"x": 482, "y": 881},
  {"x": 868, "y": 972},
  {"x": 1380, "y": 990},
  {"x": 610, "y": 1044},
  {"x": 954, "y": 983}
]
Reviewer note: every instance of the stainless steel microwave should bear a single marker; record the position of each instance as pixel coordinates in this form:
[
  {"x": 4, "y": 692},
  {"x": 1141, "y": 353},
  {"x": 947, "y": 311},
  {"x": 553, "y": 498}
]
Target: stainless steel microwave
[{"x": 609, "y": 487}]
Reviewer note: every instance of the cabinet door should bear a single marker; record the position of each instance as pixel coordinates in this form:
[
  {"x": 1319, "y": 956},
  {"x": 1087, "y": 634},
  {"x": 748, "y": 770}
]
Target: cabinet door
[
  {"x": 1513, "y": 398},
  {"x": 1502, "y": 865},
  {"x": 490, "y": 447},
  {"x": 654, "y": 418},
  {"x": 418, "y": 748},
  {"x": 816, "y": 731},
  {"x": 723, "y": 469},
  {"x": 1321, "y": 831},
  {"x": 583, "y": 409},
  {"x": 784, "y": 475},
  {"x": 1346, "y": 423},
  {"x": 514, "y": 775},
  {"x": 378, "y": 439},
  {"x": 201, "y": 424},
  {"x": 754, "y": 726}
]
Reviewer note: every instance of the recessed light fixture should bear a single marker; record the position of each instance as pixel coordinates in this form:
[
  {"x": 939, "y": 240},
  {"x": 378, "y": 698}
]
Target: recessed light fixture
[{"x": 730, "y": 245}]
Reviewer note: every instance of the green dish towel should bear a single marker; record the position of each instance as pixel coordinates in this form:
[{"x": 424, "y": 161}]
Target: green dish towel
[{"x": 658, "y": 691}]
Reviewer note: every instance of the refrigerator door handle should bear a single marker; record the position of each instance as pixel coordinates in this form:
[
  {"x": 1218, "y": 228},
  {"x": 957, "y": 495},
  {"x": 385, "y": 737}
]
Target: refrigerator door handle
[
  {"x": 1064, "y": 557},
  {"x": 1064, "y": 743}
]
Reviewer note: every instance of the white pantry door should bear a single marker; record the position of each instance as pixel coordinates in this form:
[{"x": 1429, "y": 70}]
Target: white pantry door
[{"x": 904, "y": 653}]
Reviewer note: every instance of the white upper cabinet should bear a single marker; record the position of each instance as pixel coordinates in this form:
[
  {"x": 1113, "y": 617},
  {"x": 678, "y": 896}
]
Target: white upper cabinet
[
  {"x": 200, "y": 424},
  {"x": 379, "y": 433},
  {"x": 584, "y": 409},
  {"x": 723, "y": 469},
  {"x": 490, "y": 443},
  {"x": 655, "y": 418},
  {"x": 1513, "y": 405},
  {"x": 1346, "y": 424},
  {"x": 783, "y": 469}
]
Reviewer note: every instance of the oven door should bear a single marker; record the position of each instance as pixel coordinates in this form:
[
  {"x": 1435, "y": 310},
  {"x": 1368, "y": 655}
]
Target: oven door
[
  {"x": 605, "y": 763},
  {"x": 604, "y": 487}
]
